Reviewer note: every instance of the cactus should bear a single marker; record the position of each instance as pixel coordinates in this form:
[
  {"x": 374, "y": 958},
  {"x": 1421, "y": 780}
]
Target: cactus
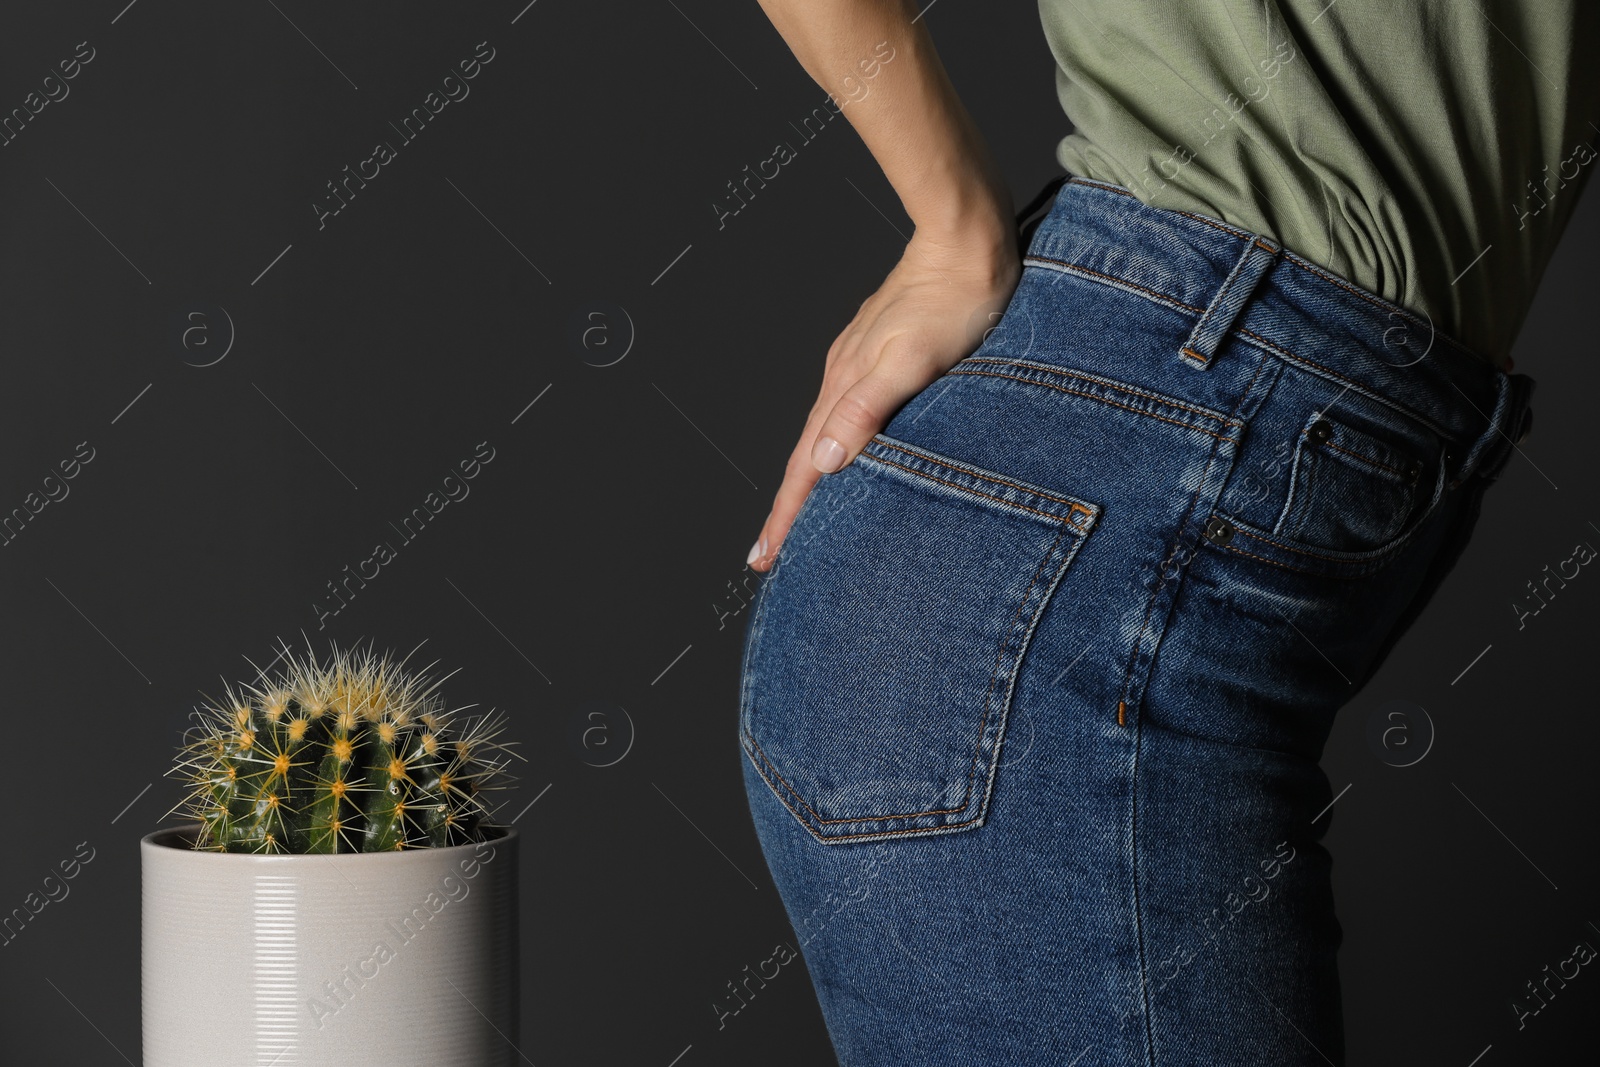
[{"x": 352, "y": 756}]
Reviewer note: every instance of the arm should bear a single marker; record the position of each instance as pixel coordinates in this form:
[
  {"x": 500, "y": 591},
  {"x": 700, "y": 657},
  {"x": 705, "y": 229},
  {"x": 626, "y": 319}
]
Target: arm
[
  {"x": 963, "y": 259},
  {"x": 911, "y": 120}
]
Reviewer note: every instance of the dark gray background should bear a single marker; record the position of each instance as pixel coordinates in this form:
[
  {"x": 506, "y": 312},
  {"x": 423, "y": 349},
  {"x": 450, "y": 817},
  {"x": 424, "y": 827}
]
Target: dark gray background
[{"x": 589, "y": 560}]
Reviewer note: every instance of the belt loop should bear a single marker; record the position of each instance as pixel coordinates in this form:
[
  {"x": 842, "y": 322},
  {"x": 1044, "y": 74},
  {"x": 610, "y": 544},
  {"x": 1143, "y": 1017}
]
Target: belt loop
[
  {"x": 1258, "y": 256},
  {"x": 1508, "y": 423}
]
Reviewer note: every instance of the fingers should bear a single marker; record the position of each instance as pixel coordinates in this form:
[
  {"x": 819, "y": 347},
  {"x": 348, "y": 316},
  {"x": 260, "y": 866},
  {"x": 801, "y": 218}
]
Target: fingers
[
  {"x": 905, "y": 335},
  {"x": 800, "y": 474},
  {"x": 860, "y": 412},
  {"x": 799, "y": 477},
  {"x": 867, "y": 406}
]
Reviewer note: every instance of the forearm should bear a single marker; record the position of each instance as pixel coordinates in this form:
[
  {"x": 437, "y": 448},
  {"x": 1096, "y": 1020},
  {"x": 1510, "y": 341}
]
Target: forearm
[{"x": 910, "y": 117}]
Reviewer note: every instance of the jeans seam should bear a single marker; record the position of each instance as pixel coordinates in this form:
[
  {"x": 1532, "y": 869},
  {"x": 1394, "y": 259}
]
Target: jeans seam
[
  {"x": 1228, "y": 302},
  {"x": 1111, "y": 279},
  {"x": 1290, "y": 256},
  {"x": 1368, "y": 460},
  {"x": 1298, "y": 570},
  {"x": 1074, "y": 506},
  {"x": 1068, "y": 372},
  {"x": 759, "y": 757},
  {"x": 1211, "y": 459},
  {"x": 1362, "y": 567},
  {"x": 1351, "y": 383},
  {"x": 1091, "y": 396},
  {"x": 1138, "y": 915},
  {"x": 1246, "y": 334},
  {"x": 1138, "y": 724}
]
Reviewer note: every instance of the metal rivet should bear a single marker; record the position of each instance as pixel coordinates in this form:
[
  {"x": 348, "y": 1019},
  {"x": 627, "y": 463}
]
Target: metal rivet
[
  {"x": 1320, "y": 430},
  {"x": 1218, "y": 531}
]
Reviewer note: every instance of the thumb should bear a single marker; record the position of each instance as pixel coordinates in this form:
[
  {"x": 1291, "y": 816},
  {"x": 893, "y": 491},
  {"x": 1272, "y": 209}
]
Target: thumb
[{"x": 863, "y": 410}]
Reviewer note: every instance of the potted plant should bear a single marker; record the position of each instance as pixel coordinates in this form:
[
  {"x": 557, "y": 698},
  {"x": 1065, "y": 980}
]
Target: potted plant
[{"x": 343, "y": 895}]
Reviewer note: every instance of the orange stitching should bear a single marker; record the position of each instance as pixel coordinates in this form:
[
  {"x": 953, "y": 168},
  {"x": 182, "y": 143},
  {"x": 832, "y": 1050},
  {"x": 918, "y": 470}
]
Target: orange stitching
[
  {"x": 1262, "y": 244},
  {"x": 999, "y": 661},
  {"x": 1215, "y": 224},
  {"x": 1186, "y": 350},
  {"x": 1101, "y": 399},
  {"x": 965, "y": 488},
  {"x": 1120, "y": 281},
  {"x": 1121, "y": 708},
  {"x": 1289, "y": 567},
  {"x": 1335, "y": 374},
  {"x": 1362, "y": 458},
  {"x": 1319, "y": 555},
  {"x": 1072, "y": 504},
  {"x": 874, "y": 818},
  {"x": 1099, "y": 185},
  {"x": 761, "y": 757},
  {"x": 1165, "y": 299},
  {"x": 1279, "y": 348},
  {"x": 1341, "y": 283},
  {"x": 1122, "y": 387},
  {"x": 1150, "y": 607},
  {"x": 1290, "y": 256},
  {"x": 1133, "y": 653},
  {"x": 839, "y": 837}
]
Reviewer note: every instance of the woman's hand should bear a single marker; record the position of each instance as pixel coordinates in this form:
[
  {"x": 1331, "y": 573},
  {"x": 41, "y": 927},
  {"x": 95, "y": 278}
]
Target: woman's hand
[
  {"x": 930, "y": 312},
  {"x": 878, "y": 62}
]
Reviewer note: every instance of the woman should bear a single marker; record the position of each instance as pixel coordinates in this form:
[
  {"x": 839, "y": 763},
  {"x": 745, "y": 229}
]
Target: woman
[{"x": 1060, "y": 603}]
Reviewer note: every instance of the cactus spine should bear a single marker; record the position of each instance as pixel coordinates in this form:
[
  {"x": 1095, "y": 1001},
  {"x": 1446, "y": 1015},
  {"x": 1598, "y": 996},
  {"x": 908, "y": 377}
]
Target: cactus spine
[{"x": 354, "y": 755}]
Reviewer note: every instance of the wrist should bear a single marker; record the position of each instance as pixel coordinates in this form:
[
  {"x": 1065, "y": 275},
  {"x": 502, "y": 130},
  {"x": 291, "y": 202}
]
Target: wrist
[
  {"x": 964, "y": 201},
  {"x": 982, "y": 216},
  {"x": 974, "y": 231}
]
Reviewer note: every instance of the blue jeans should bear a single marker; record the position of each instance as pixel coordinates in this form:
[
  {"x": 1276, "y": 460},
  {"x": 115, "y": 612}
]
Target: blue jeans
[{"x": 1033, "y": 699}]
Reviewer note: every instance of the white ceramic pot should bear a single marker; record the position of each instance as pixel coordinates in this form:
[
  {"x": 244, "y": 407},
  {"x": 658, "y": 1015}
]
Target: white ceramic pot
[{"x": 354, "y": 960}]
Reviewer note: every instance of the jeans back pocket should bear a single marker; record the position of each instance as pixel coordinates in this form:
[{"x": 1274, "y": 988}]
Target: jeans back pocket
[{"x": 881, "y": 655}]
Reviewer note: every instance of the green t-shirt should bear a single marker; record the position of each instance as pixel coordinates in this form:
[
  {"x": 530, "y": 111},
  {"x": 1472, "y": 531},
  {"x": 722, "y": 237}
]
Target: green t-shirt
[{"x": 1430, "y": 151}]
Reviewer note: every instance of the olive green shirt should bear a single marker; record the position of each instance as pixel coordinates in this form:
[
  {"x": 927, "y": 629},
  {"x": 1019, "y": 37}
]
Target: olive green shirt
[{"x": 1430, "y": 151}]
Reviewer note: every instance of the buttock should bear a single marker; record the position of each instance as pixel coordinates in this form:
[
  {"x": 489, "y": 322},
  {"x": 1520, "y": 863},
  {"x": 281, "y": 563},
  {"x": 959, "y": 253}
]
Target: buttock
[{"x": 1054, "y": 659}]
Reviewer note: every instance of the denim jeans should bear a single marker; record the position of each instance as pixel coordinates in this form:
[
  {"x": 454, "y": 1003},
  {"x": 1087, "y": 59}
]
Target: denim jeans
[{"x": 1032, "y": 700}]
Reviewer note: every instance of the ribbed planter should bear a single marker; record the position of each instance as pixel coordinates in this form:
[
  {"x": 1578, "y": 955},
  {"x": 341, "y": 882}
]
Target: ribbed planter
[{"x": 347, "y": 960}]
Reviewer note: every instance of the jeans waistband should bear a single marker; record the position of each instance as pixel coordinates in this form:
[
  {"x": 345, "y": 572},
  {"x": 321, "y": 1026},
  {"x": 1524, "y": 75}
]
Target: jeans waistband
[{"x": 1249, "y": 287}]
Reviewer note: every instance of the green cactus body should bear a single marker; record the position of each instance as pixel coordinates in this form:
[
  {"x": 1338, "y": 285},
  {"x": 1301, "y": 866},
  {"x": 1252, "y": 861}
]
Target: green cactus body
[{"x": 353, "y": 756}]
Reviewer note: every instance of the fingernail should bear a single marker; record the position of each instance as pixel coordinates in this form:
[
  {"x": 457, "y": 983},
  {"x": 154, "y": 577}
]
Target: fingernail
[
  {"x": 828, "y": 455},
  {"x": 757, "y": 550}
]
